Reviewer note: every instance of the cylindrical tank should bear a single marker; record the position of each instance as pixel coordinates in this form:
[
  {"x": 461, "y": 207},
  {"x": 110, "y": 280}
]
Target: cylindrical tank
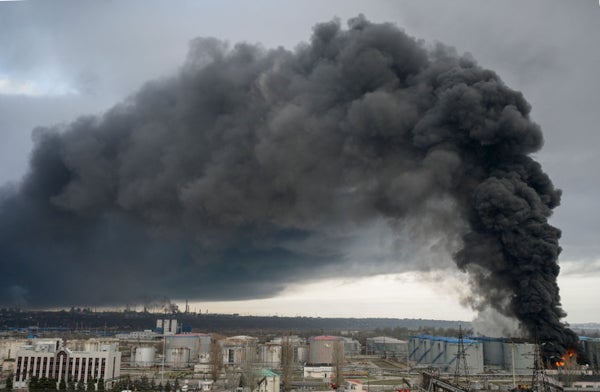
[
  {"x": 143, "y": 357},
  {"x": 524, "y": 354},
  {"x": 493, "y": 351},
  {"x": 321, "y": 349},
  {"x": 301, "y": 354},
  {"x": 178, "y": 357},
  {"x": 270, "y": 355}
]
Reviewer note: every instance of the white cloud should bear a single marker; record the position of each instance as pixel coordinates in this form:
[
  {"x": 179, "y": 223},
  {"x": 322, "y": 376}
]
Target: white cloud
[{"x": 41, "y": 87}]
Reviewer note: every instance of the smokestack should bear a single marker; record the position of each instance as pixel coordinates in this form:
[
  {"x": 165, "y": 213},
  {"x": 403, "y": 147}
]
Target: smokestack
[{"x": 228, "y": 173}]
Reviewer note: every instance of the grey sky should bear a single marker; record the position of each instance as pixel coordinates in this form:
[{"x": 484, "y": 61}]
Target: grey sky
[{"x": 85, "y": 56}]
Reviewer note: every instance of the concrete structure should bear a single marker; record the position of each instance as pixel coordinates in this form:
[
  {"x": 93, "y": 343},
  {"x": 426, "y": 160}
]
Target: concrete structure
[
  {"x": 48, "y": 358},
  {"x": 441, "y": 352},
  {"x": 321, "y": 349},
  {"x": 387, "y": 347}
]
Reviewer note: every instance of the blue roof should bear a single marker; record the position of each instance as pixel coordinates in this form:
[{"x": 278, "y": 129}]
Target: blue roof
[{"x": 444, "y": 339}]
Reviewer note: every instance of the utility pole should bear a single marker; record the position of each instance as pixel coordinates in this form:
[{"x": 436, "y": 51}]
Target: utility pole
[{"x": 461, "y": 363}]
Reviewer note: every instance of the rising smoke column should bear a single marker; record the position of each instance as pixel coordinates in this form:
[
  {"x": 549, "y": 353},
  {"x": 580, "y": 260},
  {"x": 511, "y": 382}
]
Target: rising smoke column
[{"x": 219, "y": 181}]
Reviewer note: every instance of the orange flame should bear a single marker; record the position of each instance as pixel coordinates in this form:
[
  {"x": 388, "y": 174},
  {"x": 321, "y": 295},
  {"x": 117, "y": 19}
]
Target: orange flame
[{"x": 566, "y": 359}]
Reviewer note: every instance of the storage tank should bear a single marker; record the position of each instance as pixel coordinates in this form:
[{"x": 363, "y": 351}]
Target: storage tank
[
  {"x": 188, "y": 341},
  {"x": 321, "y": 349},
  {"x": 178, "y": 357},
  {"x": 493, "y": 351},
  {"x": 301, "y": 354},
  {"x": 524, "y": 355},
  {"x": 270, "y": 355},
  {"x": 143, "y": 357}
]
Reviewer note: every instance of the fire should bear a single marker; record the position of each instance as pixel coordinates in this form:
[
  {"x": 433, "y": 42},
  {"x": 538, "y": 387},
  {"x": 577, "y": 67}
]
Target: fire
[{"x": 566, "y": 359}]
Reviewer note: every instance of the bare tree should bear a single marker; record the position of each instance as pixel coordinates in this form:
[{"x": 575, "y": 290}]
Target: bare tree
[
  {"x": 215, "y": 359},
  {"x": 338, "y": 362},
  {"x": 249, "y": 368},
  {"x": 287, "y": 359}
]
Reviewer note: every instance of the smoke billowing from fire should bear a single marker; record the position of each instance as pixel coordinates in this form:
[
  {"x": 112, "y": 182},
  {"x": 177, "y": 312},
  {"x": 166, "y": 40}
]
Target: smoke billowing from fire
[{"x": 218, "y": 181}]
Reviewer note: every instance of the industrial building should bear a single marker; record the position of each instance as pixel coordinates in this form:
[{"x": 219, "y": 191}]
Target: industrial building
[{"x": 50, "y": 359}]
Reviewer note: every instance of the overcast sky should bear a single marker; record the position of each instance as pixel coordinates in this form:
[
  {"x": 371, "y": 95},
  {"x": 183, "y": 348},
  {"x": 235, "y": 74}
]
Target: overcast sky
[{"x": 60, "y": 60}]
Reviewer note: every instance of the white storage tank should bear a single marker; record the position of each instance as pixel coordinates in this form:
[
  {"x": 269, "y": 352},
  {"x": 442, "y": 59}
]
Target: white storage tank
[
  {"x": 270, "y": 355},
  {"x": 523, "y": 355},
  {"x": 143, "y": 357},
  {"x": 493, "y": 351}
]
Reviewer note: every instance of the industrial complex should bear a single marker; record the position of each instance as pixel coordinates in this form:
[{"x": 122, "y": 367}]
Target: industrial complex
[{"x": 167, "y": 358}]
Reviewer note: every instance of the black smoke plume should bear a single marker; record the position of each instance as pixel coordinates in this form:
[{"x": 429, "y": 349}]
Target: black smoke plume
[{"x": 219, "y": 181}]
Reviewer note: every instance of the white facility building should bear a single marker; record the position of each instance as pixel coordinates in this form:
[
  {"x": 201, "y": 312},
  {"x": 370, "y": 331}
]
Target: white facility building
[{"x": 50, "y": 359}]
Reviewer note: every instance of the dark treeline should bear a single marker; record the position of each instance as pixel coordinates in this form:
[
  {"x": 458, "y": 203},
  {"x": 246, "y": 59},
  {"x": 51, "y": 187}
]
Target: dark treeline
[{"x": 85, "y": 320}]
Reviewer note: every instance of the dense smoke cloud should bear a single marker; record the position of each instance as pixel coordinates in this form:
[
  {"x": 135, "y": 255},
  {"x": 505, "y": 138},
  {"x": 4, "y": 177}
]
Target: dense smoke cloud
[{"x": 248, "y": 170}]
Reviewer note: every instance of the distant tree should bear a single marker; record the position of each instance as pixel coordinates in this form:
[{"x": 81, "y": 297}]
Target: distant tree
[
  {"x": 62, "y": 385},
  {"x": 50, "y": 384},
  {"x": 90, "y": 385},
  {"x": 9, "y": 383},
  {"x": 142, "y": 384},
  {"x": 100, "y": 385},
  {"x": 80, "y": 387},
  {"x": 33, "y": 383}
]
